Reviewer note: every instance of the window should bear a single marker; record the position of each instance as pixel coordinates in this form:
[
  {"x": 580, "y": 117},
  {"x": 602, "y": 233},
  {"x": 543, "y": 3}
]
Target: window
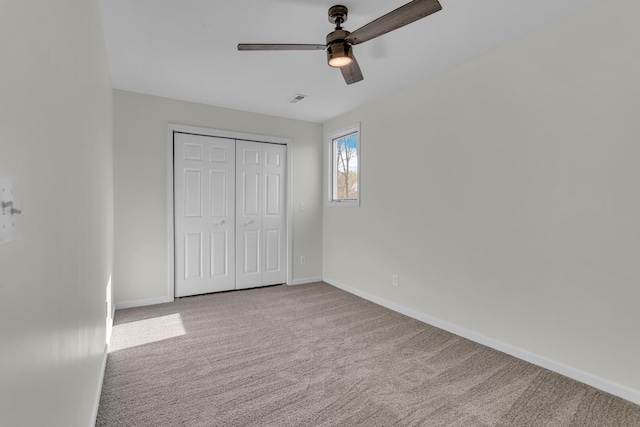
[{"x": 344, "y": 167}]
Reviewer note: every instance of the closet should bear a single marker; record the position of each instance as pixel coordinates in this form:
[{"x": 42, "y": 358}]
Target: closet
[{"x": 229, "y": 214}]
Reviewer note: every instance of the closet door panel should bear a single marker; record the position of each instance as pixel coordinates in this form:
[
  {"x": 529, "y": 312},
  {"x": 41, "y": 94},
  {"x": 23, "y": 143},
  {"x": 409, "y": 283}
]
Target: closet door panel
[
  {"x": 249, "y": 199},
  {"x": 204, "y": 214},
  {"x": 274, "y": 214}
]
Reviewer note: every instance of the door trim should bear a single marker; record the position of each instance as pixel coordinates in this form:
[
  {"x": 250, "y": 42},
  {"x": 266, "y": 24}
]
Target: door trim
[{"x": 173, "y": 127}]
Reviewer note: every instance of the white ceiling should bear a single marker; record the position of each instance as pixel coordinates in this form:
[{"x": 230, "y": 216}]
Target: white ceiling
[{"x": 186, "y": 49}]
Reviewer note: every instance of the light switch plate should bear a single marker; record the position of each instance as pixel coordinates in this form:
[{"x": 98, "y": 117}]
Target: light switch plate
[{"x": 9, "y": 209}]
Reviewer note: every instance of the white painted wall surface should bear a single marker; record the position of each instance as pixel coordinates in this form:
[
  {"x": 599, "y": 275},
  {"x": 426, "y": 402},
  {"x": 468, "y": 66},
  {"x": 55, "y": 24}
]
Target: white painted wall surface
[
  {"x": 56, "y": 139},
  {"x": 505, "y": 194},
  {"x": 140, "y": 174}
]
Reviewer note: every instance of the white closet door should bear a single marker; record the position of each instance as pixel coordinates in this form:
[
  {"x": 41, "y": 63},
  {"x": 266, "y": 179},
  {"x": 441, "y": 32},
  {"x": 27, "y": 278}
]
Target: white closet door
[
  {"x": 260, "y": 214},
  {"x": 204, "y": 191},
  {"x": 273, "y": 218},
  {"x": 249, "y": 199}
]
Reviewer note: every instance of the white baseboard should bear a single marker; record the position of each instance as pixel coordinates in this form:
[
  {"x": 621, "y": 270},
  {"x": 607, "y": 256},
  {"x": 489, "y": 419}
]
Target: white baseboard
[
  {"x": 96, "y": 403},
  {"x": 141, "y": 302},
  {"x": 610, "y": 387},
  {"x": 304, "y": 281}
]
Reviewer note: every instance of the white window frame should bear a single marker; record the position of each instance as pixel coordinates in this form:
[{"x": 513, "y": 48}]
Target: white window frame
[{"x": 330, "y": 165}]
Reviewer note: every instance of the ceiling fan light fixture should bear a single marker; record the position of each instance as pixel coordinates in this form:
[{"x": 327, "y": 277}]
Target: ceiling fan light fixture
[{"x": 339, "y": 54}]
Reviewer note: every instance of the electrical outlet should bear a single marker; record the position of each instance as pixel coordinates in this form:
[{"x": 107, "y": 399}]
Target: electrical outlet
[
  {"x": 303, "y": 260},
  {"x": 395, "y": 280}
]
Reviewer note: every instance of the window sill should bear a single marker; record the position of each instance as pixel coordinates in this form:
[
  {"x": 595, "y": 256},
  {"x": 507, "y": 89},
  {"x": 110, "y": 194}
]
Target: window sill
[{"x": 344, "y": 203}]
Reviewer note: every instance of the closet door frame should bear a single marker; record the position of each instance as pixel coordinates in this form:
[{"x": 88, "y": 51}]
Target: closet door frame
[{"x": 173, "y": 128}]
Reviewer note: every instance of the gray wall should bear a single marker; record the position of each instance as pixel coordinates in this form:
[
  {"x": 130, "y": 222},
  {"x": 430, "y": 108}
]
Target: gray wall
[
  {"x": 505, "y": 194},
  {"x": 140, "y": 168},
  {"x": 56, "y": 138}
]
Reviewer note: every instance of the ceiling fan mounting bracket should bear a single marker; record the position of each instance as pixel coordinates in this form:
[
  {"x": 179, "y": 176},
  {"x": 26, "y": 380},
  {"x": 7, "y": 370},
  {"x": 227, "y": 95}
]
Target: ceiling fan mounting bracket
[{"x": 338, "y": 14}]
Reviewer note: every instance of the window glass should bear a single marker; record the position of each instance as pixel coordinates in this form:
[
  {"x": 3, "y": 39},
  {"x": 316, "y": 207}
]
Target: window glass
[
  {"x": 344, "y": 167},
  {"x": 345, "y": 152}
]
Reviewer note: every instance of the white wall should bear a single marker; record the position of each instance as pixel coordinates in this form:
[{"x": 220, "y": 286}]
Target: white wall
[
  {"x": 140, "y": 168},
  {"x": 56, "y": 138},
  {"x": 505, "y": 194}
]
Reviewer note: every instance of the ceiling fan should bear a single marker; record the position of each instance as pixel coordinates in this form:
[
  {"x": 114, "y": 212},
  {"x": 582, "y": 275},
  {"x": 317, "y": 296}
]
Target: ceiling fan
[{"x": 340, "y": 41}]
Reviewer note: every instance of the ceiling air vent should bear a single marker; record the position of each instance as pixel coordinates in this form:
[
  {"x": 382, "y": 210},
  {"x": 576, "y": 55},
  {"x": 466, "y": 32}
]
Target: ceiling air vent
[{"x": 298, "y": 98}]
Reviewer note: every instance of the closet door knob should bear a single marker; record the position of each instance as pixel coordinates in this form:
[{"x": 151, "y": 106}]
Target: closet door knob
[{"x": 248, "y": 223}]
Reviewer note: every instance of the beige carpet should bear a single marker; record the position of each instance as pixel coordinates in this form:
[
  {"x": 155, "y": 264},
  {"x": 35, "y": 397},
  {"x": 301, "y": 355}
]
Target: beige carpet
[{"x": 313, "y": 355}]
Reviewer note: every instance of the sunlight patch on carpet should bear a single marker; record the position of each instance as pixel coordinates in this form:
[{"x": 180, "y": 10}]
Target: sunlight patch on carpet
[{"x": 147, "y": 331}]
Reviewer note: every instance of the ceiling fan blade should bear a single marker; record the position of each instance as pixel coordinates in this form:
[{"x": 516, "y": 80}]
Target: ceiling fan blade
[
  {"x": 244, "y": 46},
  {"x": 351, "y": 72},
  {"x": 410, "y": 12}
]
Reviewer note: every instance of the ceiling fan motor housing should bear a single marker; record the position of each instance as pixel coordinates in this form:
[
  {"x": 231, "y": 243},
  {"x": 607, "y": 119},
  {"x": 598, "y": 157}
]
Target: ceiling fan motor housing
[{"x": 338, "y": 49}]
